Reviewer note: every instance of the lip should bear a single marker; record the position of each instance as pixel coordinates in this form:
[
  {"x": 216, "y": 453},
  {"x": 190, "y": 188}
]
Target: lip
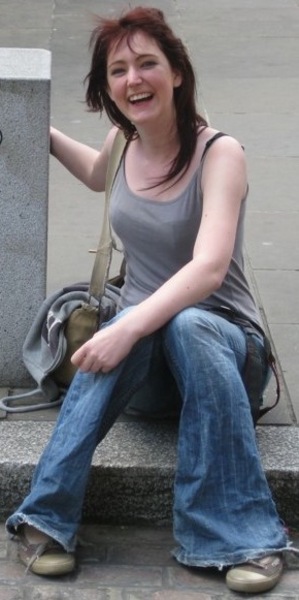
[{"x": 140, "y": 96}]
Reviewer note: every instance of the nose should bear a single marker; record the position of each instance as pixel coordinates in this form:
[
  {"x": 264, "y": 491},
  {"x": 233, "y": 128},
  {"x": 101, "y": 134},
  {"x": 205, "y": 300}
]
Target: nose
[{"x": 133, "y": 76}]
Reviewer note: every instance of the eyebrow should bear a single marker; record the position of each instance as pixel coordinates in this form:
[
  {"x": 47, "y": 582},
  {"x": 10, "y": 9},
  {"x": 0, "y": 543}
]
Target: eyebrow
[{"x": 139, "y": 56}]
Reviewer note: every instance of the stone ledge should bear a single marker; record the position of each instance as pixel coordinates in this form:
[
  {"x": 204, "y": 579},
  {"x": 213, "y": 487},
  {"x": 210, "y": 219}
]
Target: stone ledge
[{"x": 132, "y": 472}]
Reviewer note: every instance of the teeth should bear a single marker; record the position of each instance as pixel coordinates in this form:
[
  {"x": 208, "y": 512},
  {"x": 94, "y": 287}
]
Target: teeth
[{"x": 139, "y": 97}]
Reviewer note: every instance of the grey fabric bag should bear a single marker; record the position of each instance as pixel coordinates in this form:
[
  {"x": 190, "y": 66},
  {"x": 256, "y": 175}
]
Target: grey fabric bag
[{"x": 45, "y": 344}]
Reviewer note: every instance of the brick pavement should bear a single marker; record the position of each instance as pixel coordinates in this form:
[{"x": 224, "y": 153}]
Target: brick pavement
[{"x": 127, "y": 563}]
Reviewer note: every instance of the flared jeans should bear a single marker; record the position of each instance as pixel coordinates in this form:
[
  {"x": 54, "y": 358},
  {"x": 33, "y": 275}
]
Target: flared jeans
[{"x": 223, "y": 512}]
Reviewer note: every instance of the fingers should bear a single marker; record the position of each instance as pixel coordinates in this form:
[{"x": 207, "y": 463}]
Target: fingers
[
  {"x": 89, "y": 360},
  {"x": 78, "y": 357},
  {"x": 86, "y": 360},
  {"x": 103, "y": 352}
]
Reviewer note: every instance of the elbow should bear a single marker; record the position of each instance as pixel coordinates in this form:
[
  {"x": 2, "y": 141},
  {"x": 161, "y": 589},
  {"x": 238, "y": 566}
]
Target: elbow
[
  {"x": 214, "y": 276},
  {"x": 212, "y": 271},
  {"x": 94, "y": 184},
  {"x": 217, "y": 278},
  {"x": 220, "y": 274},
  {"x": 93, "y": 187}
]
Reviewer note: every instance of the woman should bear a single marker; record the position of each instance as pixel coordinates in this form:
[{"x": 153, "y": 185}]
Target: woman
[{"x": 178, "y": 205}]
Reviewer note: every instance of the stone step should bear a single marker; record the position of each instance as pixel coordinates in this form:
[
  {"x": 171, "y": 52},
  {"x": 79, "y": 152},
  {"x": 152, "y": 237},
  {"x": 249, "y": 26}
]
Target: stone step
[{"x": 132, "y": 472}]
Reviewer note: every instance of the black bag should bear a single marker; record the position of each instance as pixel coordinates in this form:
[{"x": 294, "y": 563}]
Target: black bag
[{"x": 255, "y": 363}]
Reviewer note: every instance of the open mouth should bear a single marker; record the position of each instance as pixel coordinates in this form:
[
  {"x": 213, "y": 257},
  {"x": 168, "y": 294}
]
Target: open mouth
[{"x": 140, "y": 98}]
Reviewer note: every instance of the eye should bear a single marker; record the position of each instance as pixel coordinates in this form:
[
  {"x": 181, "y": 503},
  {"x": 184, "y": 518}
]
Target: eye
[
  {"x": 148, "y": 64},
  {"x": 117, "y": 71}
]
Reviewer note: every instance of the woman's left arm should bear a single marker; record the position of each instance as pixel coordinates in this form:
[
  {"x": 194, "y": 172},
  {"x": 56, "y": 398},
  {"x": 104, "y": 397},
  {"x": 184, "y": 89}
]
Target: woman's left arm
[{"x": 224, "y": 184}]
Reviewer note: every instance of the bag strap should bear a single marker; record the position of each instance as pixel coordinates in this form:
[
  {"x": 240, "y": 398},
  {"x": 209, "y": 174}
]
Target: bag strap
[
  {"x": 4, "y": 402},
  {"x": 100, "y": 271}
]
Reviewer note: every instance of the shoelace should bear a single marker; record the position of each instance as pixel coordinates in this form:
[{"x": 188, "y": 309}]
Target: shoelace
[
  {"x": 265, "y": 563},
  {"x": 40, "y": 549}
]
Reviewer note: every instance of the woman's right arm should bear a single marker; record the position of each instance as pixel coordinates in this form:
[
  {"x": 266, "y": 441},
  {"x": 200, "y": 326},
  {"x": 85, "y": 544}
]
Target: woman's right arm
[{"x": 85, "y": 163}]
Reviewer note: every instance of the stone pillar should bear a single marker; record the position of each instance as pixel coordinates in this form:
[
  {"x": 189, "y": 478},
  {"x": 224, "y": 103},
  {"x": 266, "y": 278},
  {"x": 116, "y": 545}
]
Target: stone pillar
[{"x": 24, "y": 152}]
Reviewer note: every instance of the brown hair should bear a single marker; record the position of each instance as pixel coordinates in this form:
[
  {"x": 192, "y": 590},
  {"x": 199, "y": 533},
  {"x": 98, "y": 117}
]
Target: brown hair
[{"x": 151, "y": 21}]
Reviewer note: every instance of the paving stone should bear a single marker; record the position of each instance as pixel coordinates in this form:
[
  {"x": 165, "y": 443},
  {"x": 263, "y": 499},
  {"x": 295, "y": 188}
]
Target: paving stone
[
  {"x": 167, "y": 595},
  {"x": 120, "y": 575},
  {"x": 9, "y": 593},
  {"x": 204, "y": 579},
  {"x": 11, "y": 570},
  {"x": 152, "y": 575},
  {"x": 137, "y": 554},
  {"x": 55, "y": 592},
  {"x": 3, "y": 551}
]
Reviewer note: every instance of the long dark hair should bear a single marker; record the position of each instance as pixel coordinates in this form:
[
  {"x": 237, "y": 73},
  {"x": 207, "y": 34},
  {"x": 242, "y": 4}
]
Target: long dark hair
[{"x": 152, "y": 22}]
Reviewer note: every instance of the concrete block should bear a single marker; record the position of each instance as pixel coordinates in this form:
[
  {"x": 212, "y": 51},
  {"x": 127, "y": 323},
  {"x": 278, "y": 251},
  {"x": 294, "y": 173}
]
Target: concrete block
[
  {"x": 24, "y": 150},
  {"x": 132, "y": 474}
]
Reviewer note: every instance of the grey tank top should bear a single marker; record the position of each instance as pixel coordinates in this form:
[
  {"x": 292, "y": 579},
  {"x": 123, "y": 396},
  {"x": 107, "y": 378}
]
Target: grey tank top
[{"x": 158, "y": 239}]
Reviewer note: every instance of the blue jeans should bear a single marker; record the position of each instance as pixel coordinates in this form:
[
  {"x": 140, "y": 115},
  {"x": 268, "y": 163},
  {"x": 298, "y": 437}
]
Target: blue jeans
[{"x": 223, "y": 511}]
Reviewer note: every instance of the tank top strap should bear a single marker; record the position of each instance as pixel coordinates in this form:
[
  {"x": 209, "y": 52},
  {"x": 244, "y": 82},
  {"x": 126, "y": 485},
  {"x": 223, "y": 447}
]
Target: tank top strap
[{"x": 210, "y": 142}]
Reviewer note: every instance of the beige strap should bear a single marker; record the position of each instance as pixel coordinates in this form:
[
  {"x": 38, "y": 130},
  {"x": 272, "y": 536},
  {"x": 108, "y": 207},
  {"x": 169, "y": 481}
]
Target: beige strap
[{"x": 100, "y": 271}]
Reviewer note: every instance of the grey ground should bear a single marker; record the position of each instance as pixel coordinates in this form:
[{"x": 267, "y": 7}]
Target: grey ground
[{"x": 246, "y": 56}]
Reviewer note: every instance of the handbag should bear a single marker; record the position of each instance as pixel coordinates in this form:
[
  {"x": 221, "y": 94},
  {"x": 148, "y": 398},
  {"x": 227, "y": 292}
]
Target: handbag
[{"x": 71, "y": 316}]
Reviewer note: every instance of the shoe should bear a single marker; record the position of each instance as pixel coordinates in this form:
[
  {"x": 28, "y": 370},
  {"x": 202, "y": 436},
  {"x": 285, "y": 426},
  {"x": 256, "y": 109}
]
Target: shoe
[
  {"x": 257, "y": 575},
  {"x": 46, "y": 558}
]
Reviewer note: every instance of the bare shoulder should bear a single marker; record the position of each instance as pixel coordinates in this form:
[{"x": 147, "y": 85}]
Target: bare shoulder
[
  {"x": 223, "y": 146},
  {"x": 224, "y": 163}
]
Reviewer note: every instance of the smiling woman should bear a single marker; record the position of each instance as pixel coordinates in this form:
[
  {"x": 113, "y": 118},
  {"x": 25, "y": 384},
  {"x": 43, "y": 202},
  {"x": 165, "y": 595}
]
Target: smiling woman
[
  {"x": 186, "y": 311},
  {"x": 141, "y": 81},
  {"x": 148, "y": 24}
]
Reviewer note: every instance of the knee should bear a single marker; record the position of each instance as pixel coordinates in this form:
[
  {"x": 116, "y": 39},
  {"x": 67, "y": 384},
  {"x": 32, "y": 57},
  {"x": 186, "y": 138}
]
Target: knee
[
  {"x": 191, "y": 319},
  {"x": 190, "y": 324},
  {"x": 183, "y": 320},
  {"x": 191, "y": 339}
]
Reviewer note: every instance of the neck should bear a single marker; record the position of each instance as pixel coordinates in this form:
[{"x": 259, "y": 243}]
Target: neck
[
  {"x": 160, "y": 138},
  {"x": 159, "y": 143}
]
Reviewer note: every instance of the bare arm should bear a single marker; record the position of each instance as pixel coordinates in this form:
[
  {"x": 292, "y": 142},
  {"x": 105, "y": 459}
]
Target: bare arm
[
  {"x": 85, "y": 163},
  {"x": 222, "y": 195}
]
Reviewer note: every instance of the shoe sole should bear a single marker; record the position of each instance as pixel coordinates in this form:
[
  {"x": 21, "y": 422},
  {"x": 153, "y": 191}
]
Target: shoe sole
[
  {"x": 41, "y": 566},
  {"x": 55, "y": 571},
  {"x": 252, "y": 587}
]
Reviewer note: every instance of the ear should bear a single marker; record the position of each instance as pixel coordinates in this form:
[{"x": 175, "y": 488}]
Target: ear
[{"x": 177, "y": 79}]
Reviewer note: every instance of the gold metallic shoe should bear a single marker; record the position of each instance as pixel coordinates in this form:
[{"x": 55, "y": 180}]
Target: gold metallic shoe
[
  {"x": 47, "y": 558},
  {"x": 257, "y": 575}
]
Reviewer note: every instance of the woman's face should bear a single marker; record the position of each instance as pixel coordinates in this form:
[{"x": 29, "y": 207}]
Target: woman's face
[{"x": 140, "y": 79}]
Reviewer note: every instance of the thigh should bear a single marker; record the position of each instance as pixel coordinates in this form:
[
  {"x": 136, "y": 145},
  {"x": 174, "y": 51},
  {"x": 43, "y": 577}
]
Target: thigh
[{"x": 197, "y": 335}]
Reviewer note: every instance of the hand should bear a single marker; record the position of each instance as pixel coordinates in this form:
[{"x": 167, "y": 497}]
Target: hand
[{"x": 106, "y": 349}]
